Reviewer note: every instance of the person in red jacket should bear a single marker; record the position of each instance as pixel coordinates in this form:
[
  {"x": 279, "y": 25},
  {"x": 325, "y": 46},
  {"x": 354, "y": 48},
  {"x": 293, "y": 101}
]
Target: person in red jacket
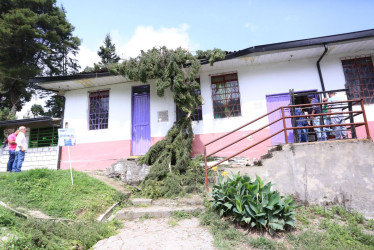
[{"x": 12, "y": 144}]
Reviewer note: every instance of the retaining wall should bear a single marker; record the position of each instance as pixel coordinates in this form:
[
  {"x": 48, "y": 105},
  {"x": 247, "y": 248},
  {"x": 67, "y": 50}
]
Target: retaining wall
[
  {"x": 45, "y": 157},
  {"x": 325, "y": 173}
]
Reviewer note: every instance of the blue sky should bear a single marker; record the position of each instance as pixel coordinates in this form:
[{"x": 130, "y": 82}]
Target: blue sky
[{"x": 205, "y": 24}]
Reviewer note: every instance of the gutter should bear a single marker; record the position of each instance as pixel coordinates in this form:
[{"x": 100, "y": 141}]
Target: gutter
[{"x": 319, "y": 69}]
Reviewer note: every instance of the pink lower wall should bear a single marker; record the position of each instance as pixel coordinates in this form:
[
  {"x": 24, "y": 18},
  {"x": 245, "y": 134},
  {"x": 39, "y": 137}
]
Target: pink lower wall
[{"x": 100, "y": 155}]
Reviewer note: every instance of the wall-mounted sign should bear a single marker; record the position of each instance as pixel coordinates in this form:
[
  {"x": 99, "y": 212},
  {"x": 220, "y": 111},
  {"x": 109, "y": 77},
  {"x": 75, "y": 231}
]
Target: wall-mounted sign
[
  {"x": 163, "y": 116},
  {"x": 66, "y": 137}
]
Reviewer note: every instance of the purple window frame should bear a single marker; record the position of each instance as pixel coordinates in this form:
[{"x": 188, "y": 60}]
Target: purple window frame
[
  {"x": 226, "y": 95},
  {"x": 98, "y": 110}
]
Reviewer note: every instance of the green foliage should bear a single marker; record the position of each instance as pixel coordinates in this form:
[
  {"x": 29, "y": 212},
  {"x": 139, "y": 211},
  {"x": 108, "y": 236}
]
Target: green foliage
[
  {"x": 163, "y": 183},
  {"x": 5, "y": 115},
  {"x": 51, "y": 192},
  {"x": 211, "y": 55},
  {"x": 35, "y": 39},
  {"x": 37, "y": 110},
  {"x": 107, "y": 52},
  {"x": 54, "y": 106},
  {"x": 40, "y": 234},
  {"x": 252, "y": 203},
  {"x": 182, "y": 215},
  {"x": 335, "y": 236}
]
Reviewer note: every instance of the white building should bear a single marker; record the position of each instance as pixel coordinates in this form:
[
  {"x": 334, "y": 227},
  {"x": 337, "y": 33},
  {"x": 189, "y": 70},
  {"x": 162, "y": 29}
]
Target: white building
[{"x": 115, "y": 118}]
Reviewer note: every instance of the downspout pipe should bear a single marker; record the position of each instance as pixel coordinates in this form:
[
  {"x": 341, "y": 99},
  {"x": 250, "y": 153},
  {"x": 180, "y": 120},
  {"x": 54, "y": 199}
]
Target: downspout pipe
[
  {"x": 319, "y": 69},
  {"x": 62, "y": 126}
]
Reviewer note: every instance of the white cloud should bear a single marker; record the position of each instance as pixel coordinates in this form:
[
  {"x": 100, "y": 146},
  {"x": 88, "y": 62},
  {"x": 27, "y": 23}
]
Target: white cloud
[
  {"x": 144, "y": 38},
  {"x": 147, "y": 37},
  {"x": 87, "y": 57}
]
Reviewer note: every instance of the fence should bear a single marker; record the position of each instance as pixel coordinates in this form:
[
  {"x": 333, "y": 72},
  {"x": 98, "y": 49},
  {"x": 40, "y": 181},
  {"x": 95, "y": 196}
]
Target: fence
[{"x": 283, "y": 118}]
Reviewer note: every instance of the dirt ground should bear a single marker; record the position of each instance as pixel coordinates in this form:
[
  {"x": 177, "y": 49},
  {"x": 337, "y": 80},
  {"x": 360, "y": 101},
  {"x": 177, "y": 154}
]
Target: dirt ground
[{"x": 159, "y": 234}]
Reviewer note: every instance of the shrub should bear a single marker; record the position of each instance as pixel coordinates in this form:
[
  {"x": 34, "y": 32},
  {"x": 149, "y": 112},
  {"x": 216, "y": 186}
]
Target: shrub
[{"x": 253, "y": 204}]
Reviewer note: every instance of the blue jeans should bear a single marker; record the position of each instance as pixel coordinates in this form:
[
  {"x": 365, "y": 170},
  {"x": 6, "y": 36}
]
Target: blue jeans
[
  {"x": 20, "y": 156},
  {"x": 302, "y": 134},
  {"x": 12, "y": 157},
  {"x": 321, "y": 136},
  {"x": 340, "y": 131}
]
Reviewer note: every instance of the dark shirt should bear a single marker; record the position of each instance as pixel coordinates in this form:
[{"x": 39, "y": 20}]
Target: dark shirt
[{"x": 316, "y": 108}]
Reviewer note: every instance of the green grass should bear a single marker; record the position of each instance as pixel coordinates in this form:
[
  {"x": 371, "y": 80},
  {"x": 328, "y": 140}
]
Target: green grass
[
  {"x": 317, "y": 228},
  {"x": 39, "y": 234},
  {"x": 51, "y": 192}
]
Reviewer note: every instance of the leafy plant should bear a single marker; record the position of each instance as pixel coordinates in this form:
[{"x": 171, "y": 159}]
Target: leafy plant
[{"x": 253, "y": 203}]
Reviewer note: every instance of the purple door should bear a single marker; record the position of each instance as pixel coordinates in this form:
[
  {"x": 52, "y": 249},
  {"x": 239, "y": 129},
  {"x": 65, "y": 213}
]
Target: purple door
[
  {"x": 274, "y": 102},
  {"x": 141, "y": 128}
]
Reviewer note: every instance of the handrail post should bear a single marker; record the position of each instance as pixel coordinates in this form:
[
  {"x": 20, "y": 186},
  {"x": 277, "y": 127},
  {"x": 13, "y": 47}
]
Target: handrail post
[
  {"x": 284, "y": 125},
  {"x": 206, "y": 170},
  {"x": 365, "y": 120},
  {"x": 351, "y": 120}
]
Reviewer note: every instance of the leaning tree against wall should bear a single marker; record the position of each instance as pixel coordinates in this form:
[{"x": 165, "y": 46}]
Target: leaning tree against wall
[{"x": 177, "y": 69}]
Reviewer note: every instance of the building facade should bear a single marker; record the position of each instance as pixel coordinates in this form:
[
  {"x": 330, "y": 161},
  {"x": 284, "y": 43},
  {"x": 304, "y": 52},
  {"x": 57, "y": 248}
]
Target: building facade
[{"x": 117, "y": 118}]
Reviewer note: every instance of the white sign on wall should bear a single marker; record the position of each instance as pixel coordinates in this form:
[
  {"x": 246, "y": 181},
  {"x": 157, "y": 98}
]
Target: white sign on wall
[{"x": 66, "y": 137}]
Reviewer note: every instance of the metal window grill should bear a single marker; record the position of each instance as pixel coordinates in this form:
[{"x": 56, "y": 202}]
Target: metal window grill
[
  {"x": 198, "y": 112},
  {"x": 43, "y": 137},
  {"x": 359, "y": 77},
  {"x": 99, "y": 110},
  {"x": 226, "y": 96}
]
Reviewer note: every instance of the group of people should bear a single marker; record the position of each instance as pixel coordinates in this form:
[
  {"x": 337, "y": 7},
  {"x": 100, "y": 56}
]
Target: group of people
[
  {"x": 334, "y": 119},
  {"x": 17, "y": 144}
]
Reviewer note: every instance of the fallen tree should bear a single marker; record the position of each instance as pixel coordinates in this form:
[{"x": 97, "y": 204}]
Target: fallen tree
[{"x": 170, "y": 158}]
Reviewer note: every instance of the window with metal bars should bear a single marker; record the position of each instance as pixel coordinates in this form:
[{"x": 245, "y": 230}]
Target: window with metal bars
[
  {"x": 359, "y": 77},
  {"x": 197, "y": 114},
  {"x": 43, "y": 137},
  {"x": 99, "y": 110},
  {"x": 225, "y": 95}
]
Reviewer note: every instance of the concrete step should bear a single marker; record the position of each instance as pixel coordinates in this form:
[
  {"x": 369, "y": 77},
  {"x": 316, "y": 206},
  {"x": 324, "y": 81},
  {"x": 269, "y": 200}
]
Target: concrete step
[
  {"x": 131, "y": 213},
  {"x": 141, "y": 202}
]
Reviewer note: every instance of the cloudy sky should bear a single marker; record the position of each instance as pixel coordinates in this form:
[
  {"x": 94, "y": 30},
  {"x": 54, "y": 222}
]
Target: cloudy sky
[{"x": 206, "y": 24}]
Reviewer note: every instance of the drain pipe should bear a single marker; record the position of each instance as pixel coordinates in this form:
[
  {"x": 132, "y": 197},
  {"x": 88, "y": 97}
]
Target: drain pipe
[
  {"x": 62, "y": 126},
  {"x": 319, "y": 69}
]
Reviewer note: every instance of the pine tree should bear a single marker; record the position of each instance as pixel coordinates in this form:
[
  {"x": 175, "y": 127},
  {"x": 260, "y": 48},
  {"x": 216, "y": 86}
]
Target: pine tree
[
  {"x": 107, "y": 52},
  {"x": 37, "y": 110},
  {"x": 35, "y": 40}
]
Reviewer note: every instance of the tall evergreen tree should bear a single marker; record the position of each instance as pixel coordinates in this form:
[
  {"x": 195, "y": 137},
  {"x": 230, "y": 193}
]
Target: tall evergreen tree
[
  {"x": 107, "y": 52},
  {"x": 35, "y": 40}
]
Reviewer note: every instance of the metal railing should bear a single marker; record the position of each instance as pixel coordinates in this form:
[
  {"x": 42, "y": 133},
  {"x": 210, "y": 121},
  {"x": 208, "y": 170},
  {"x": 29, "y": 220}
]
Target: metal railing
[{"x": 283, "y": 118}]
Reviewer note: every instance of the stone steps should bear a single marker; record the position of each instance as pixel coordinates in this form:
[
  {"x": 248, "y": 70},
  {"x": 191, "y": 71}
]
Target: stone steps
[
  {"x": 160, "y": 208},
  {"x": 131, "y": 213}
]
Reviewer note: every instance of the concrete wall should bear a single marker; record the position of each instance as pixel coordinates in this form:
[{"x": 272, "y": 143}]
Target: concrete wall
[
  {"x": 343, "y": 176},
  {"x": 45, "y": 157}
]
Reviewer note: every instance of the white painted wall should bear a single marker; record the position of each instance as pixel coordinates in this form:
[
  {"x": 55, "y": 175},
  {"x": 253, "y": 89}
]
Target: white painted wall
[
  {"x": 119, "y": 127},
  {"x": 255, "y": 82}
]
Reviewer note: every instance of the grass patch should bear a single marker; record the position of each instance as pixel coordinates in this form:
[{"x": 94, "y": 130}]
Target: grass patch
[
  {"x": 317, "y": 228},
  {"x": 226, "y": 236},
  {"x": 38, "y": 234},
  {"x": 51, "y": 192}
]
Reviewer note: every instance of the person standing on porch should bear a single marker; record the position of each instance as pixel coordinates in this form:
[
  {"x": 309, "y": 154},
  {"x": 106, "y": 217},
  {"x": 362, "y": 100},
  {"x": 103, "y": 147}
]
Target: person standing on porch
[
  {"x": 321, "y": 135},
  {"x": 12, "y": 149},
  {"x": 20, "y": 150},
  {"x": 301, "y": 122},
  {"x": 340, "y": 131}
]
